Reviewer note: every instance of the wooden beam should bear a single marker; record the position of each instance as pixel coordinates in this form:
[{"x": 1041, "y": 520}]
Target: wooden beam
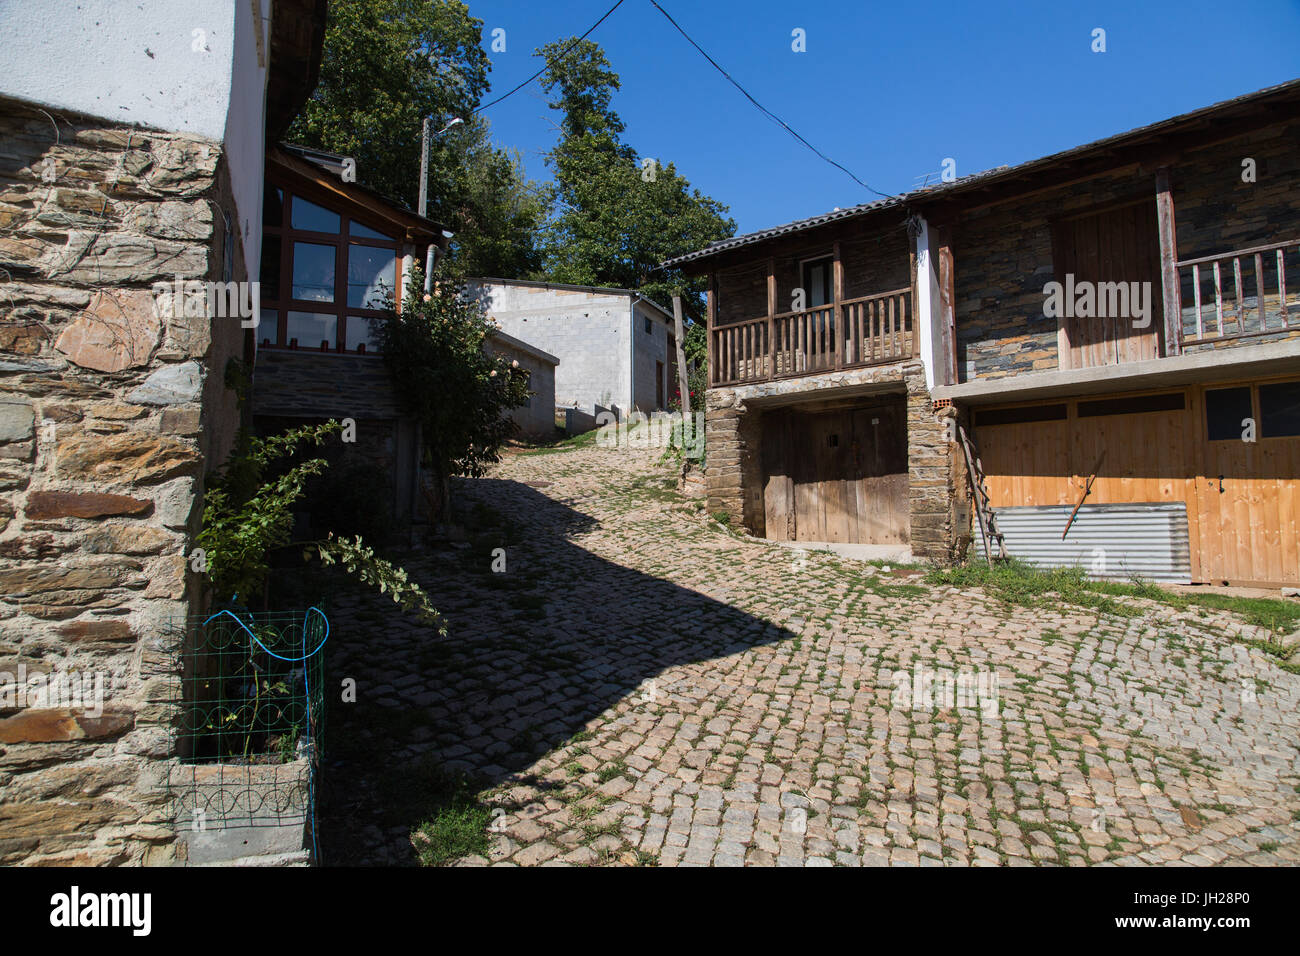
[
  {"x": 1168, "y": 262},
  {"x": 711, "y": 319},
  {"x": 770, "y": 351},
  {"x": 683, "y": 380},
  {"x": 837, "y": 296},
  {"x": 912, "y": 300},
  {"x": 947, "y": 306}
]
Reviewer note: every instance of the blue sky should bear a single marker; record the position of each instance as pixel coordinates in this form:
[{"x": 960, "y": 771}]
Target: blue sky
[{"x": 888, "y": 90}]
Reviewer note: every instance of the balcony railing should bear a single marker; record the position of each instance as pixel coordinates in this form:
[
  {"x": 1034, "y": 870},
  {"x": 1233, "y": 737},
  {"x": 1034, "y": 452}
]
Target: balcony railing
[
  {"x": 1240, "y": 293},
  {"x": 871, "y": 330}
]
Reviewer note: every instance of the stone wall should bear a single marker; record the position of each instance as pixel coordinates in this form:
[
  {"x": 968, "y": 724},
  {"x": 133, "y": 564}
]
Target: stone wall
[
  {"x": 933, "y": 501},
  {"x": 110, "y": 407},
  {"x": 1003, "y": 254}
]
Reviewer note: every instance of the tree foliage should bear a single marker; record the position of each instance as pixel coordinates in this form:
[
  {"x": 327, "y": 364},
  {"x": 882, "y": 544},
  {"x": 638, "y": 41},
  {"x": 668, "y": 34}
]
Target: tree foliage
[
  {"x": 388, "y": 64},
  {"x": 460, "y": 394},
  {"x": 616, "y": 218}
]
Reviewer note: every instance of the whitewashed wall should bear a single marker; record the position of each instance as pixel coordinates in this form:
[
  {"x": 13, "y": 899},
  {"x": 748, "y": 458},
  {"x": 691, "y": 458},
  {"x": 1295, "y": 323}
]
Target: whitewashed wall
[{"x": 587, "y": 332}]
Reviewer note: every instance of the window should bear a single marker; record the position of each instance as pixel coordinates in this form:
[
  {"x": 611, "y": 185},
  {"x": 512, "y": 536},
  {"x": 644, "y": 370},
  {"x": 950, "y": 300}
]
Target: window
[
  {"x": 648, "y": 326},
  {"x": 1225, "y": 410},
  {"x": 313, "y": 218},
  {"x": 324, "y": 275},
  {"x": 1170, "y": 402},
  {"x": 1279, "y": 410},
  {"x": 1017, "y": 416},
  {"x": 313, "y": 272},
  {"x": 817, "y": 282}
]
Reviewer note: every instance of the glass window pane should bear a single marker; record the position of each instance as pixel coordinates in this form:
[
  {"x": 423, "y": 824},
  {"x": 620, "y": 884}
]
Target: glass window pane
[
  {"x": 273, "y": 207},
  {"x": 270, "y": 272},
  {"x": 371, "y": 275},
  {"x": 362, "y": 330},
  {"x": 308, "y": 215},
  {"x": 268, "y": 330},
  {"x": 1279, "y": 409},
  {"x": 310, "y": 329},
  {"x": 313, "y": 272},
  {"x": 365, "y": 232},
  {"x": 1225, "y": 410}
]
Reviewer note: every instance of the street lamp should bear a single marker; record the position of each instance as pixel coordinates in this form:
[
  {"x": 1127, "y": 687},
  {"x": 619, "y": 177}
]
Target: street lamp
[
  {"x": 424, "y": 190},
  {"x": 424, "y": 159}
]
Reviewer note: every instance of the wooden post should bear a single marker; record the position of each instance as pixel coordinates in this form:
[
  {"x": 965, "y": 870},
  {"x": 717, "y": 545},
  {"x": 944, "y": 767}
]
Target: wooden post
[
  {"x": 1168, "y": 262},
  {"x": 911, "y": 302},
  {"x": 947, "y": 307},
  {"x": 771, "y": 321},
  {"x": 711, "y": 318},
  {"x": 683, "y": 380},
  {"x": 837, "y": 294}
]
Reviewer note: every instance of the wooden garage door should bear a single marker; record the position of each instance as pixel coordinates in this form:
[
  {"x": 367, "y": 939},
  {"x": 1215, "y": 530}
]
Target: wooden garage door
[
  {"x": 1242, "y": 498},
  {"x": 1248, "y": 492},
  {"x": 837, "y": 475}
]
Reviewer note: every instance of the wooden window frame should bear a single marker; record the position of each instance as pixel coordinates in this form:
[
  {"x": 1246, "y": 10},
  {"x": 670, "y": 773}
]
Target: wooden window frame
[
  {"x": 829, "y": 259},
  {"x": 281, "y": 299}
]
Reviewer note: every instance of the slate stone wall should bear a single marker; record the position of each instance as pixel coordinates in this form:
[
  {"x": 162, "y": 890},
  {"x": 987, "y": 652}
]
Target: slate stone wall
[
  {"x": 1003, "y": 255},
  {"x": 111, "y": 406}
]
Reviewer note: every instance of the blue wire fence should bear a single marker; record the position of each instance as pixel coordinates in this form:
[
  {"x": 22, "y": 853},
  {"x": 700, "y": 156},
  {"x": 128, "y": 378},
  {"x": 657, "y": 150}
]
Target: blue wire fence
[{"x": 250, "y": 729}]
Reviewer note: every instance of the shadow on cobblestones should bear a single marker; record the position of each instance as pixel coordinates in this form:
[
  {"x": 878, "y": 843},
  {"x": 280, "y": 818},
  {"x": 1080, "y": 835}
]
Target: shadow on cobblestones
[{"x": 534, "y": 654}]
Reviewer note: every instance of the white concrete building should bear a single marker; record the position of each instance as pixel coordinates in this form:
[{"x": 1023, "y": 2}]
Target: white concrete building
[{"x": 614, "y": 347}]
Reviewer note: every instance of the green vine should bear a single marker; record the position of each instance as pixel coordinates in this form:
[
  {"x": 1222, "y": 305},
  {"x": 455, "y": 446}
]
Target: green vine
[{"x": 247, "y": 517}]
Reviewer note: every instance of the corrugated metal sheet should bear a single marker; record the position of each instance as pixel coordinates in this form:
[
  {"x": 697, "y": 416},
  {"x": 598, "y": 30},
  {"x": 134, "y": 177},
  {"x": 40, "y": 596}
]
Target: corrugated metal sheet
[{"x": 1120, "y": 541}]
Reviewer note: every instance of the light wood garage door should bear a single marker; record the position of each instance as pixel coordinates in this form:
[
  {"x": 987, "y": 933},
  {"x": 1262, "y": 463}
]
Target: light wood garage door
[{"x": 1242, "y": 497}]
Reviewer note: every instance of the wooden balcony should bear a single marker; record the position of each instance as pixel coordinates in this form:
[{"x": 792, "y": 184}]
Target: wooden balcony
[
  {"x": 856, "y": 333},
  {"x": 1220, "y": 298}
]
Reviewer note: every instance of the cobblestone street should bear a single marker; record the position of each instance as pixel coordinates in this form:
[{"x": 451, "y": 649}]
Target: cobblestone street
[{"x": 641, "y": 685}]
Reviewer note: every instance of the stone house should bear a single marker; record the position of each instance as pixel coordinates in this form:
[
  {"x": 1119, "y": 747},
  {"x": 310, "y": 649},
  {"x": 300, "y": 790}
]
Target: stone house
[
  {"x": 616, "y": 349},
  {"x": 1113, "y": 327},
  {"x": 114, "y": 395}
]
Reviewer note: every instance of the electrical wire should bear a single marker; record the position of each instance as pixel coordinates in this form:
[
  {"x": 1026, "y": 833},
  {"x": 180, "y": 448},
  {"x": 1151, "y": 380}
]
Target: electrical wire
[
  {"x": 543, "y": 69},
  {"x": 764, "y": 110}
]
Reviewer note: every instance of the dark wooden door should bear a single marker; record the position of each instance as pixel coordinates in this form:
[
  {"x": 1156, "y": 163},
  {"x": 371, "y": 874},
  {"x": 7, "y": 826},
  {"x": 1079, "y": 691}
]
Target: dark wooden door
[
  {"x": 1112, "y": 246},
  {"x": 838, "y": 475}
]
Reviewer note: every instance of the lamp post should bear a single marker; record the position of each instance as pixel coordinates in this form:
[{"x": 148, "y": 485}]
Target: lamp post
[
  {"x": 424, "y": 159},
  {"x": 424, "y": 188}
]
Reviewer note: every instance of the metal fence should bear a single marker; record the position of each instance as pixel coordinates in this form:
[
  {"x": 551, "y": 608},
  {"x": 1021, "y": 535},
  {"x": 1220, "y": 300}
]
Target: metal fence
[{"x": 249, "y": 737}]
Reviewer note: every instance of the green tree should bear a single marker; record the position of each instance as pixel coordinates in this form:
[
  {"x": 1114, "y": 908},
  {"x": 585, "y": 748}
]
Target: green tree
[
  {"x": 484, "y": 196},
  {"x": 388, "y": 64},
  {"x": 434, "y": 349},
  {"x": 617, "y": 218}
]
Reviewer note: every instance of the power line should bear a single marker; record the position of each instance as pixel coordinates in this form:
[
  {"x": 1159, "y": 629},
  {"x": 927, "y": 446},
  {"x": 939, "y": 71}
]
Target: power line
[
  {"x": 543, "y": 69},
  {"x": 763, "y": 109}
]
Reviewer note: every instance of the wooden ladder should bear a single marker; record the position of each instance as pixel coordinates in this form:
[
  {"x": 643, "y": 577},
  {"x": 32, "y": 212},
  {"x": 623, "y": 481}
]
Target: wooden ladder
[{"x": 988, "y": 522}]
